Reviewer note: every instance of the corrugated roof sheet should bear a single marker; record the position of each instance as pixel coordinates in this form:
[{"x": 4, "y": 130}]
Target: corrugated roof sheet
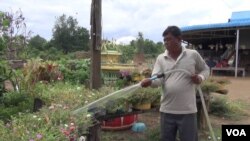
[
  {"x": 238, "y": 19},
  {"x": 242, "y": 15}
]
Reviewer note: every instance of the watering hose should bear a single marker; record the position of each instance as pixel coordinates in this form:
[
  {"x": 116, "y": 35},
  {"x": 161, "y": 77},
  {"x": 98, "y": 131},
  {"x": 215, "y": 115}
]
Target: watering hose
[{"x": 200, "y": 93}]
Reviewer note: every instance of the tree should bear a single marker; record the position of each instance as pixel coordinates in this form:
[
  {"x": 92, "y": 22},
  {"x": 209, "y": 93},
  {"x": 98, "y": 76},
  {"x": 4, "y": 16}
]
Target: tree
[
  {"x": 160, "y": 47},
  {"x": 13, "y": 31},
  {"x": 140, "y": 47},
  {"x": 2, "y": 46},
  {"x": 37, "y": 42},
  {"x": 68, "y": 36},
  {"x": 146, "y": 46},
  {"x": 140, "y": 43},
  {"x": 128, "y": 53},
  {"x": 153, "y": 49},
  {"x": 149, "y": 47}
]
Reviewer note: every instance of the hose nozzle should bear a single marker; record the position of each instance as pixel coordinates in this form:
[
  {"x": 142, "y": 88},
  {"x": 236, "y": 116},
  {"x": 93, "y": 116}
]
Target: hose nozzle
[{"x": 157, "y": 76}]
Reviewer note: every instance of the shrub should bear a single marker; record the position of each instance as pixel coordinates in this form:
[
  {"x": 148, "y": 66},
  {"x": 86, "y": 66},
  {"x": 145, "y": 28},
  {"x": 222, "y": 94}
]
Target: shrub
[
  {"x": 145, "y": 95},
  {"x": 117, "y": 106},
  {"x": 31, "y": 126},
  {"x": 75, "y": 71},
  {"x": 222, "y": 107},
  {"x": 5, "y": 74},
  {"x": 14, "y": 102},
  {"x": 54, "y": 121},
  {"x": 209, "y": 86}
]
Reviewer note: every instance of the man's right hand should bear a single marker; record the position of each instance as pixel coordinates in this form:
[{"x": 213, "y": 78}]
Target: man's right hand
[{"x": 146, "y": 82}]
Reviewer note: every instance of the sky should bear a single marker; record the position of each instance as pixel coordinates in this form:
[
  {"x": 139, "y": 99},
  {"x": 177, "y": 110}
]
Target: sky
[{"x": 123, "y": 19}]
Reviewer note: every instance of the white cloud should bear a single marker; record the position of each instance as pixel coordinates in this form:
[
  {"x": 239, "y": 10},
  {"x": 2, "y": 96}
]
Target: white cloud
[
  {"x": 125, "y": 18},
  {"x": 125, "y": 39}
]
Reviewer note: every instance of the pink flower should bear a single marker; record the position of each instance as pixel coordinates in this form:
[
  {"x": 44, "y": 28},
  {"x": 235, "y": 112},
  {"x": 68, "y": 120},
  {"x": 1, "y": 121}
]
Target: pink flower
[
  {"x": 72, "y": 128},
  {"x": 39, "y": 136},
  {"x": 66, "y": 132}
]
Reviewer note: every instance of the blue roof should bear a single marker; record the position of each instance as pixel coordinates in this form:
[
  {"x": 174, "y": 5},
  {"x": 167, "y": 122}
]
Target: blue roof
[
  {"x": 238, "y": 16},
  {"x": 238, "y": 19}
]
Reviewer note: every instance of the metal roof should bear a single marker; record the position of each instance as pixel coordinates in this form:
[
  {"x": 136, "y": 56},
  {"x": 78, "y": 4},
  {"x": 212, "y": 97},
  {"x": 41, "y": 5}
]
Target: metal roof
[
  {"x": 242, "y": 15},
  {"x": 238, "y": 19}
]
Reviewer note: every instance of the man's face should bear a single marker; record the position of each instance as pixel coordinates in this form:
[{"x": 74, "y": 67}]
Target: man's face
[{"x": 171, "y": 42}]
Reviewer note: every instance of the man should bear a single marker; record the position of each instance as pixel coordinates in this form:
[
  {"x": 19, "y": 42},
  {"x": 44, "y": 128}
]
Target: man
[{"x": 178, "y": 102}]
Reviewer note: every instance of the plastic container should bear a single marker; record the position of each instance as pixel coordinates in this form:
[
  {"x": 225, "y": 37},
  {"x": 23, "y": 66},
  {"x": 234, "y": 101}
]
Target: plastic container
[
  {"x": 119, "y": 123},
  {"x": 139, "y": 127}
]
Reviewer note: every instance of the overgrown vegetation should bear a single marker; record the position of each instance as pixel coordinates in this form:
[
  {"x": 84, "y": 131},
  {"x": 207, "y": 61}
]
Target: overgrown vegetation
[
  {"x": 223, "y": 107},
  {"x": 75, "y": 71},
  {"x": 212, "y": 85},
  {"x": 4, "y": 75},
  {"x": 54, "y": 121},
  {"x": 13, "y": 103}
]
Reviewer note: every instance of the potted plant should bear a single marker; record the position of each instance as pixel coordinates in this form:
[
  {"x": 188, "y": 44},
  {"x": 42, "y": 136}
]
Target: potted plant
[
  {"x": 117, "y": 106},
  {"x": 156, "y": 97},
  {"x": 142, "y": 98}
]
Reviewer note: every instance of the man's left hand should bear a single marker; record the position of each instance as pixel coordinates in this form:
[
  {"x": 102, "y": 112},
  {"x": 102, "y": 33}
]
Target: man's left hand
[{"x": 196, "y": 79}]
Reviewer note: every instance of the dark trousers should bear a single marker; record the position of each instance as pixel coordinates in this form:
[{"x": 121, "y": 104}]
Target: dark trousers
[{"x": 185, "y": 124}]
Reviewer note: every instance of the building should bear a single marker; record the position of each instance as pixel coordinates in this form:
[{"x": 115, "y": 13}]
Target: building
[{"x": 228, "y": 44}]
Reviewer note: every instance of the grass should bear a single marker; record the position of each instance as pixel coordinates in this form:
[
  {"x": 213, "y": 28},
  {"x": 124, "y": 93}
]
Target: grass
[
  {"x": 222, "y": 107},
  {"x": 206, "y": 136},
  {"x": 151, "y": 135}
]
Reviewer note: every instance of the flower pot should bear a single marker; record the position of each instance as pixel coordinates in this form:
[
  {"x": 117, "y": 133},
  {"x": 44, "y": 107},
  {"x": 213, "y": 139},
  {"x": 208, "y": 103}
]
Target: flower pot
[
  {"x": 38, "y": 104},
  {"x": 144, "y": 106},
  {"x": 155, "y": 105},
  {"x": 119, "y": 123}
]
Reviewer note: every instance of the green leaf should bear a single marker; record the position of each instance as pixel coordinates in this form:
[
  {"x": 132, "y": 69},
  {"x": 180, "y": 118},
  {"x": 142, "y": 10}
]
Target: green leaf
[
  {"x": 2, "y": 44},
  {"x": 1, "y": 14},
  {"x": 6, "y": 22}
]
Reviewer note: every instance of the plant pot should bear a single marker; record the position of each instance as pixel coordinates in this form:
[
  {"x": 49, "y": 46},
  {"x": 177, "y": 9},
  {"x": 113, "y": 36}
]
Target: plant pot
[
  {"x": 144, "y": 106},
  {"x": 155, "y": 105},
  {"x": 38, "y": 104},
  {"x": 119, "y": 123}
]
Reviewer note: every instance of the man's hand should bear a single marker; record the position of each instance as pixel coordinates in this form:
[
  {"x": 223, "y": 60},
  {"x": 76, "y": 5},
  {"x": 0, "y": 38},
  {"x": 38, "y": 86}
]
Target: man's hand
[
  {"x": 146, "y": 82},
  {"x": 196, "y": 79}
]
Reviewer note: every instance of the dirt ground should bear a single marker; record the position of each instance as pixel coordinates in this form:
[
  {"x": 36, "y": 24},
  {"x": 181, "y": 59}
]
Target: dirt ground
[{"x": 239, "y": 90}]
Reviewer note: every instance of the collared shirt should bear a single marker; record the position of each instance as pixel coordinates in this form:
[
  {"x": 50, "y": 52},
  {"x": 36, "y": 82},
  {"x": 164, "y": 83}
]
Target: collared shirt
[{"x": 179, "y": 94}]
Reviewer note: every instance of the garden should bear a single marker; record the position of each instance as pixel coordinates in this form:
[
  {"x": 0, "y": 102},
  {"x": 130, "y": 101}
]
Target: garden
[
  {"x": 38, "y": 95},
  {"x": 41, "y": 96}
]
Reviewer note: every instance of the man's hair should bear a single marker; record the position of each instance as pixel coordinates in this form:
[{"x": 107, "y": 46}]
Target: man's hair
[{"x": 174, "y": 30}]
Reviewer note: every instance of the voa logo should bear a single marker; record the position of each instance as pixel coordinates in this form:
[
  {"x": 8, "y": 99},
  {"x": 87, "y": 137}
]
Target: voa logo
[{"x": 236, "y": 132}]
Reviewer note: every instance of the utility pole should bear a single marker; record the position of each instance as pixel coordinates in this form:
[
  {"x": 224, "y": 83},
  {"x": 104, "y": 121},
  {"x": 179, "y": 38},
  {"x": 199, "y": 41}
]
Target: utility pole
[{"x": 96, "y": 42}]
